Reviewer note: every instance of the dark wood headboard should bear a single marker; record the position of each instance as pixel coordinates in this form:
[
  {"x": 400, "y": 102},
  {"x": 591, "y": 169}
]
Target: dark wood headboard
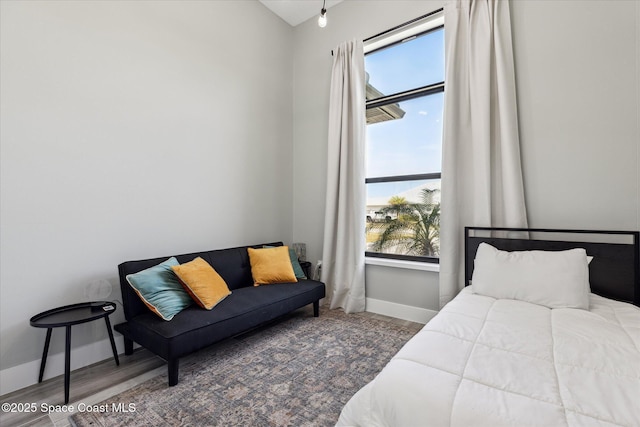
[{"x": 614, "y": 271}]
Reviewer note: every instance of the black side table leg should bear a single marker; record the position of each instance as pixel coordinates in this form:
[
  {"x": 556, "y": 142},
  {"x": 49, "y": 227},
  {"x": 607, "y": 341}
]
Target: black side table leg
[
  {"x": 113, "y": 343},
  {"x": 67, "y": 364},
  {"x": 43, "y": 362}
]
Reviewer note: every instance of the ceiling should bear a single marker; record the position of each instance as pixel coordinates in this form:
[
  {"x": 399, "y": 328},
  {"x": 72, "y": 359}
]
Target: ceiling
[{"x": 295, "y": 12}]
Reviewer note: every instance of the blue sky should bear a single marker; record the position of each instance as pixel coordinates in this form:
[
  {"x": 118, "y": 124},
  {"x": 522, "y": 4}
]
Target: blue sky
[{"x": 412, "y": 144}]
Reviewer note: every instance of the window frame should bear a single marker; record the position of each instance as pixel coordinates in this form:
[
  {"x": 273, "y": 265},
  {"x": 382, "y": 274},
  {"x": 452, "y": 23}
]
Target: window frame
[{"x": 405, "y": 32}]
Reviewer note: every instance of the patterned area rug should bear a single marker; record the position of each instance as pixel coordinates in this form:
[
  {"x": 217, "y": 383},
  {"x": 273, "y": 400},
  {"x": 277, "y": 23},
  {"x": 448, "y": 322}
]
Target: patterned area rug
[{"x": 300, "y": 371}]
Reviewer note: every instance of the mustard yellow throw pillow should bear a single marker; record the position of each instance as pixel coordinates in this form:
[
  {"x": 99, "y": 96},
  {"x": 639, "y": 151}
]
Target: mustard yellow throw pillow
[
  {"x": 202, "y": 282},
  {"x": 271, "y": 265}
]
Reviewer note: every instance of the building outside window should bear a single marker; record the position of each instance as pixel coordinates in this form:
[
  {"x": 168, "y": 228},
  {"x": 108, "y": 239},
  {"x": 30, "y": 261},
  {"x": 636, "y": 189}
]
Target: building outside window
[{"x": 405, "y": 94}]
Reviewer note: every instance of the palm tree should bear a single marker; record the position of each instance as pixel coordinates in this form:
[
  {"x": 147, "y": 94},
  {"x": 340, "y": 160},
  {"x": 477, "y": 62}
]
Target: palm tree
[
  {"x": 396, "y": 205},
  {"x": 414, "y": 231}
]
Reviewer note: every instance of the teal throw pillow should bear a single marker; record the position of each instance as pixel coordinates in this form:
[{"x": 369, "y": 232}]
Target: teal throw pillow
[
  {"x": 159, "y": 288},
  {"x": 297, "y": 269}
]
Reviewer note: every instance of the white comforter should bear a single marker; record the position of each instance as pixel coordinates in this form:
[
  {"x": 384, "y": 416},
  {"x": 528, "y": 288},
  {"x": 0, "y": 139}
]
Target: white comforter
[{"x": 488, "y": 362}]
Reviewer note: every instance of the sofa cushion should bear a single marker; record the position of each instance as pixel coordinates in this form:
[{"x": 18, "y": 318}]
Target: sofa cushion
[
  {"x": 271, "y": 265},
  {"x": 202, "y": 282},
  {"x": 159, "y": 288},
  {"x": 245, "y": 308}
]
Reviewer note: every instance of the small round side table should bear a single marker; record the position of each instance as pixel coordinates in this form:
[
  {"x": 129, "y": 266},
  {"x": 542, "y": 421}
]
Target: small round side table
[{"x": 68, "y": 316}]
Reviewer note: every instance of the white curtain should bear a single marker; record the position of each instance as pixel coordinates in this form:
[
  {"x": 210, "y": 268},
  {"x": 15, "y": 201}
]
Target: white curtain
[
  {"x": 481, "y": 167},
  {"x": 344, "y": 225}
]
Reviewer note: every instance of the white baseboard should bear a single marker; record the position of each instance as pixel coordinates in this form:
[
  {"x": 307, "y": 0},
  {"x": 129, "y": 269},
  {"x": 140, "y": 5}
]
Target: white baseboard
[
  {"x": 26, "y": 374},
  {"x": 399, "y": 311}
]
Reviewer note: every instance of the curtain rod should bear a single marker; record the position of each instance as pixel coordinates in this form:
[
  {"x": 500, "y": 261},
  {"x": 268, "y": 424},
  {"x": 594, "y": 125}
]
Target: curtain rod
[
  {"x": 397, "y": 27},
  {"x": 404, "y": 24}
]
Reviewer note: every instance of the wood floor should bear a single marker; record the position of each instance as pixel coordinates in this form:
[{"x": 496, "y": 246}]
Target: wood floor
[
  {"x": 95, "y": 383},
  {"x": 85, "y": 382}
]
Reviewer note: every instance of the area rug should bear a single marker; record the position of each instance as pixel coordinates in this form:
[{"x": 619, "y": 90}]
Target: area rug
[{"x": 299, "y": 371}]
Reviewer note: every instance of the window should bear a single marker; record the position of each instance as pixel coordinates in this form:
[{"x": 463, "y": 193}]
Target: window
[{"x": 405, "y": 88}]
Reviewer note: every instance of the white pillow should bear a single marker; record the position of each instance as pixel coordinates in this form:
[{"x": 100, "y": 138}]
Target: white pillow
[{"x": 555, "y": 279}]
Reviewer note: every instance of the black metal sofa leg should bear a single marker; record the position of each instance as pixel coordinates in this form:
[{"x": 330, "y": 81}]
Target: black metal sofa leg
[
  {"x": 128, "y": 346},
  {"x": 316, "y": 308},
  {"x": 172, "y": 370}
]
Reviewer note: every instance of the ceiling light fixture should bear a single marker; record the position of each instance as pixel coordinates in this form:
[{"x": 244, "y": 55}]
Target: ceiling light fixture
[{"x": 322, "y": 19}]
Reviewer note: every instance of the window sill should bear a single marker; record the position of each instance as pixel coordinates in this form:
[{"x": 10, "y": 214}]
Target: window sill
[{"x": 397, "y": 263}]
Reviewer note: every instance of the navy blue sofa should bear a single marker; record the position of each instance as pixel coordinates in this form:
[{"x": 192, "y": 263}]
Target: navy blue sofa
[{"x": 194, "y": 328}]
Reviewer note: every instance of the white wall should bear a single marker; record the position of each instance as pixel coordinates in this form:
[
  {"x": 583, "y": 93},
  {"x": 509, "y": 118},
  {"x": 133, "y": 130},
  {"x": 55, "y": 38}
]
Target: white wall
[
  {"x": 577, "y": 72},
  {"x": 132, "y": 130},
  {"x": 578, "y": 77}
]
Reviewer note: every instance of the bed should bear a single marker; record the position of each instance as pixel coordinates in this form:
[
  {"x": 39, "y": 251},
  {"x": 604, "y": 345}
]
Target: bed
[{"x": 529, "y": 346}]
